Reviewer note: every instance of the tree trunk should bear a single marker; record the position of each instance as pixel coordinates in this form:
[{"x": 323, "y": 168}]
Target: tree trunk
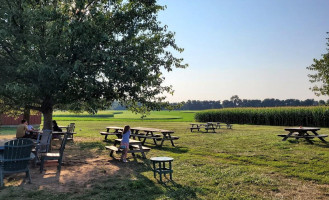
[
  {"x": 47, "y": 118},
  {"x": 27, "y": 114}
]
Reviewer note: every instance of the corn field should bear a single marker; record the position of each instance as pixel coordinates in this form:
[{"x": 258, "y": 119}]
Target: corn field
[{"x": 277, "y": 116}]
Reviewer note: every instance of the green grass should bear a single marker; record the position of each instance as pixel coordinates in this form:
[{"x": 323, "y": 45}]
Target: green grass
[
  {"x": 247, "y": 162},
  {"x": 7, "y": 130},
  {"x": 125, "y": 115}
]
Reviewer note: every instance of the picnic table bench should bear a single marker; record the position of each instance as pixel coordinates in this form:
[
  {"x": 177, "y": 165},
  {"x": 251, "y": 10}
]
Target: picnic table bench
[{"x": 135, "y": 146}]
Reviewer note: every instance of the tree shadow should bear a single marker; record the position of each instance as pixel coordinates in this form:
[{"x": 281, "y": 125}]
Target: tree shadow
[
  {"x": 316, "y": 143},
  {"x": 148, "y": 188},
  {"x": 89, "y": 172},
  {"x": 172, "y": 149}
]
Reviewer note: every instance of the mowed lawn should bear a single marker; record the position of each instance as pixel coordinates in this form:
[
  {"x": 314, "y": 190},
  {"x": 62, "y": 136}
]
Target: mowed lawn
[{"x": 247, "y": 162}]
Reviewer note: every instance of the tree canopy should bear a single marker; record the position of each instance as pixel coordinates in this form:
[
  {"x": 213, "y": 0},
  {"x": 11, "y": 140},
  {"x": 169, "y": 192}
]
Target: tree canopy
[
  {"x": 84, "y": 54},
  {"x": 321, "y": 76}
]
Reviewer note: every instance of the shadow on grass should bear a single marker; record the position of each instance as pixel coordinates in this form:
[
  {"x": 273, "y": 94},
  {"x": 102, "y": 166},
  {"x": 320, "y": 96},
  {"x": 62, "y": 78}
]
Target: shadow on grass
[
  {"x": 90, "y": 175},
  {"x": 92, "y": 145},
  {"x": 178, "y": 150},
  {"x": 140, "y": 186},
  {"x": 316, "y": 143}
]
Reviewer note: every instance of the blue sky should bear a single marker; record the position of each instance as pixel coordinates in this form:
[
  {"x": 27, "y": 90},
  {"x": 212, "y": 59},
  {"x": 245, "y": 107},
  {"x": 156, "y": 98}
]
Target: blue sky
[{"x": 256, "y": 49}]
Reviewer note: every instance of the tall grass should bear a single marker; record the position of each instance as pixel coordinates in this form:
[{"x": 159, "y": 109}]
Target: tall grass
[{"x": 278, "y": 116}]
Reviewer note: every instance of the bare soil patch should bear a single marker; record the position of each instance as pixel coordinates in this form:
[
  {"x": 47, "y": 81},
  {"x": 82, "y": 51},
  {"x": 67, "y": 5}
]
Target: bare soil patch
[{"x": 81, "y": 168}]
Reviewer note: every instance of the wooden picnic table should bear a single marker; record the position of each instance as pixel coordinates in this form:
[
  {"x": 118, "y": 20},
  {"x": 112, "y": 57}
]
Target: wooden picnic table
[
  {"x": 307, "y": 133},
  {"x": 206, "y": 126},
  {"x": 219, "y": 124},
  {"x": 143, "y": 133},
  {"x": 135, "y": 146},
  {"x": 116, "y": 131}
]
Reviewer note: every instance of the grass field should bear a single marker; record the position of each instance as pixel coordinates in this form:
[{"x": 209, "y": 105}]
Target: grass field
[
  {"x": 247, "y": 162},
  {"x": 174, "y": 116}
]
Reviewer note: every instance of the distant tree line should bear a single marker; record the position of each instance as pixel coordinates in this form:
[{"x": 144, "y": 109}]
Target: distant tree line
[{"x": 236, "y": 102}]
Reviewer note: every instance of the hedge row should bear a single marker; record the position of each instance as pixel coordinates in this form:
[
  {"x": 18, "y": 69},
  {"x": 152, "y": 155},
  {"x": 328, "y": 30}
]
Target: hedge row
[{"x": 278, "y": 116}]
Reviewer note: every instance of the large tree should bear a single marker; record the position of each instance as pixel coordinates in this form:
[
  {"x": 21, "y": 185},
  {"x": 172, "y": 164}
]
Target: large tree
[
  {"x": 321, "y": 76},
  {"x": 84, "y": 54}
]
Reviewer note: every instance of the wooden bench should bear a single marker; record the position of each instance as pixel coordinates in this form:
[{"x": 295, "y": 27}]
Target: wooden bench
[
  {"x": 146, "y": 149},
  {"x": 171, "y": 138},
  {"x": 149, "y": 137},
  {"x": 107, "y": 134}
]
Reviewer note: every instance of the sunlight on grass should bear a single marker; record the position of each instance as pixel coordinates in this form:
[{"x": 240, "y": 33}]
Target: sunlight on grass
[{"x": 246, "y": 162}]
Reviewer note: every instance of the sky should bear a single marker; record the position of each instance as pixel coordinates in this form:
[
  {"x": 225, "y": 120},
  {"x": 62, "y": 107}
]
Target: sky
[{"x": 255, "y": 49}]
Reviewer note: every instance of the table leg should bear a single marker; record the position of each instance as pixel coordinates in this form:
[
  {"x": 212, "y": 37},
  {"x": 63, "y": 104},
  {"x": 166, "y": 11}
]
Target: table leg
[
  {"x": 172, "y": 142},
  {"x": 152, "y": 135},
  {"x": 288, "y": 135},
  {"x": 323, "y": 140},
  {"x": 303, "y": 134},
  {"x": 134, "y": 132},
  {"x": 116, "y": 142},
  {"x": 130, "y": 148},
  {"x": 164, "y": 168},
  {"x": 162, "y": 142},
  {"x": 154, "y": 169},
  {"x": 160, "y": 171},
  {"x": 170, "y": 167},
  {"x": 141, "y": 149}
]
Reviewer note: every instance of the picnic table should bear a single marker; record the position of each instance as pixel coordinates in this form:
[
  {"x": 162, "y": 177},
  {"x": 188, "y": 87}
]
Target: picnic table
[
  {"x": 116, "y": 131},
  {"x": 206, "y": 126},
  {"x": 150, "y": 133},
  {"x": 307, "y": 133},
  {"x": 219, "y": 124},
  {"x": 135, "y": 146}
]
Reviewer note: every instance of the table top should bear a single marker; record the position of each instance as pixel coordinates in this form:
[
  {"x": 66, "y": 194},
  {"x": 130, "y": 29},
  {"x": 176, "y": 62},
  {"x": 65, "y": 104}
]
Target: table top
[
  {"x": 142, "y": 129},
  {"x": 161, "y": 159},
  {"x": 151, "y": 129},
  {"x": 302, "y": 129},
  {"x": 131, "y": 141},
  {"x": 114, "y": 127}
]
